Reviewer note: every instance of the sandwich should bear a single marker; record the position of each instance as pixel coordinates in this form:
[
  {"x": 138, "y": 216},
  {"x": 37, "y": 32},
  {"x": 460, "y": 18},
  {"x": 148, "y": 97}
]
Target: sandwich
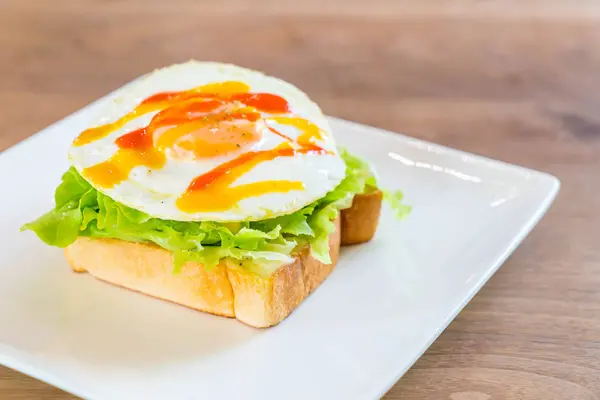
[{"x": 215, "y": 187}]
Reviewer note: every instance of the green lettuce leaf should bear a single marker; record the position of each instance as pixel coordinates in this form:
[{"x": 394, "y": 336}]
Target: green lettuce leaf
[
  {"x": 81, "y": 210},
  {"x": 394, "y": 199}
]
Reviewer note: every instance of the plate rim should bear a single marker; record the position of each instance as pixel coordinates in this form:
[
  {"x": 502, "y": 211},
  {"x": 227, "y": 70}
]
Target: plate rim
[
  {"x": 551, "y": 188},
  {"x": 524, "y": 231}
]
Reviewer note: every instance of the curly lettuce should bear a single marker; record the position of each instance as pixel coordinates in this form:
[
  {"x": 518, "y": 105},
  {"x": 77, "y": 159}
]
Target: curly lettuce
[{"x": 81, "y": 210}]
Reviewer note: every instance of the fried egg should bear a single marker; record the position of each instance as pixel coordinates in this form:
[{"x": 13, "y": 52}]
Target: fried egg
[{"x": 203, "y": 141}]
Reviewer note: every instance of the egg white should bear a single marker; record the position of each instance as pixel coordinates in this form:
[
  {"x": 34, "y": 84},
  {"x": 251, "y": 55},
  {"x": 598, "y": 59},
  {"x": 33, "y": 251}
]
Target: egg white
[{"x": 155, "y": 191}]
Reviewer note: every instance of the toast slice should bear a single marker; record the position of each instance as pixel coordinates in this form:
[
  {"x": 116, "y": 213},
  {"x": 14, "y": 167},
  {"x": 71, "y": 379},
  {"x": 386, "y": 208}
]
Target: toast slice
[
  {"x": 360, "y": 221},
  {"x": 225, "y": 290}
]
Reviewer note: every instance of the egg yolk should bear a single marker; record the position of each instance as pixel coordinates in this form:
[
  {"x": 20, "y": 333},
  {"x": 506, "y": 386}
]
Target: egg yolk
[{"x": 200, "y": 135}]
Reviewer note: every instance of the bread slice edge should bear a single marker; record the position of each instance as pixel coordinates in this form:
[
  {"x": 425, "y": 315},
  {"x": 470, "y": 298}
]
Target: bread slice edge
[{"x": 224, "y": 290}]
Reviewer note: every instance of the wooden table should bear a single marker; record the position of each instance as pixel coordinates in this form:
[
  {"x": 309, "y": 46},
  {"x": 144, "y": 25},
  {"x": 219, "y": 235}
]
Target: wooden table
[{"x": 510, "y": 79}]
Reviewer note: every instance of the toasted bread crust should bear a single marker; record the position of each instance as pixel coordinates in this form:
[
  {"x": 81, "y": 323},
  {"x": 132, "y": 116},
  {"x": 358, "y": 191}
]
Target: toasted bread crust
[
  {"x": 265, "y": 302},
  {"x": 224, "y": 290},
  {"x": 148, "y": 269},
  {"x": 359, "y": 222}
]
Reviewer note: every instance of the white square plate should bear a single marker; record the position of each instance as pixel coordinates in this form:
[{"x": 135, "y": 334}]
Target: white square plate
[{"x": 386, "y": 302}]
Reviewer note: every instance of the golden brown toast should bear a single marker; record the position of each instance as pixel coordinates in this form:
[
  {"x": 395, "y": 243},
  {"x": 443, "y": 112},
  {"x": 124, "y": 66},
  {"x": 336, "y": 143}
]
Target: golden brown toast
[{"x": 224, "y": 290}]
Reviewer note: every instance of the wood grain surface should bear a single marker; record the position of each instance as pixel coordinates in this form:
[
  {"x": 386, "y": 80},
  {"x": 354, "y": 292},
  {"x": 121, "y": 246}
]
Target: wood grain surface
[{"x": 511, "y": 79}]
